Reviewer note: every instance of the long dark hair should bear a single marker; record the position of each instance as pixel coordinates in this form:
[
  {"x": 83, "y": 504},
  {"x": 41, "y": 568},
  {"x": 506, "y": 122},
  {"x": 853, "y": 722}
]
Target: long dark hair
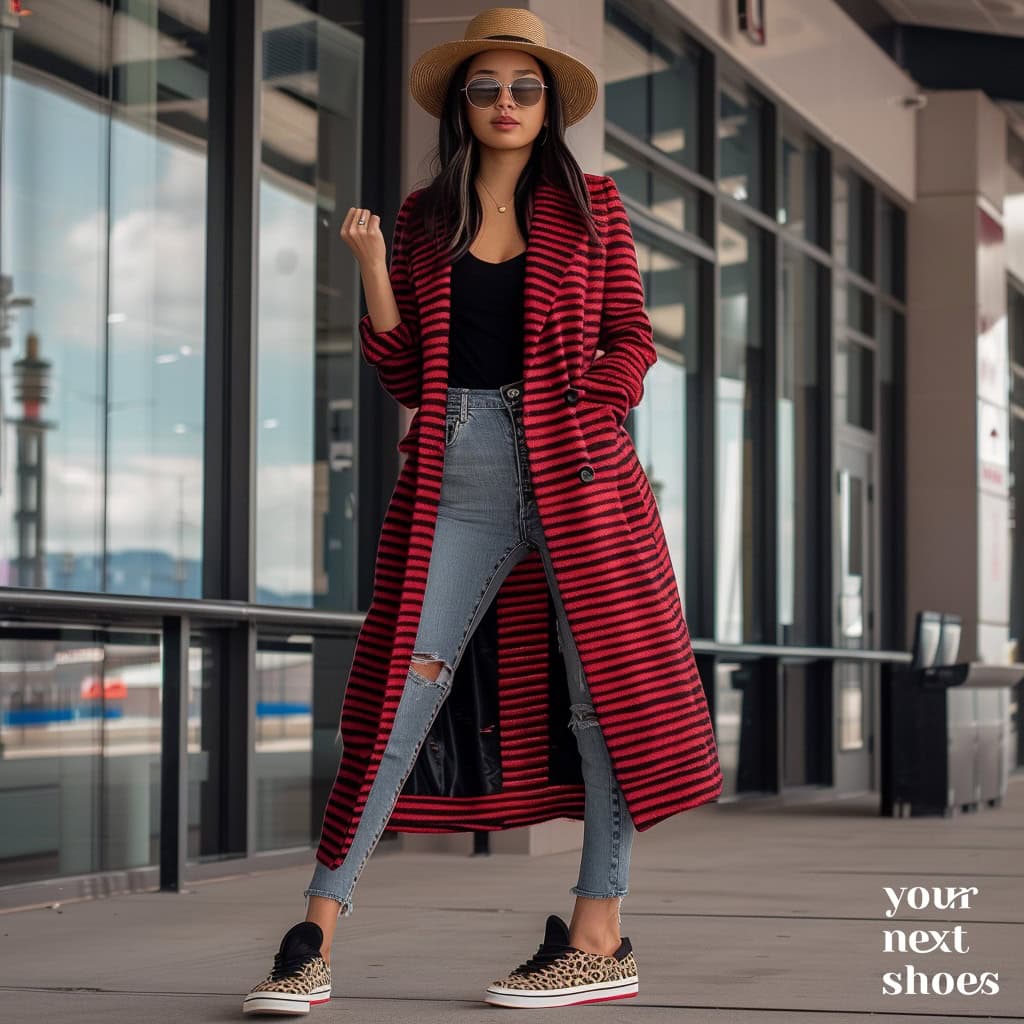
[{"x": 450, "y": 206}]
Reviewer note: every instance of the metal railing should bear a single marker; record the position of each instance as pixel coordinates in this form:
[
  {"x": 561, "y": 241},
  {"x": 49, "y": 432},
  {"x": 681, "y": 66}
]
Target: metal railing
[{"x": 172, "y": 619}]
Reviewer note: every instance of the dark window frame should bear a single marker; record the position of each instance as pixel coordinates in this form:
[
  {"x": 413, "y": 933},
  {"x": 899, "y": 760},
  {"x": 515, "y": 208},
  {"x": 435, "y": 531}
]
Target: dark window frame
[
  {"x": 832, "y": 274},
  {"x": 235, "y": 45}
]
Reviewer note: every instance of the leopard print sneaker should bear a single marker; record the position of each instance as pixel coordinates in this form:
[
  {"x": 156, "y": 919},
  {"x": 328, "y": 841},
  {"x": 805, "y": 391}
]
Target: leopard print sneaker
[
  {"x": 300, "y": 977},
  {"x": 562, "y": 975}
]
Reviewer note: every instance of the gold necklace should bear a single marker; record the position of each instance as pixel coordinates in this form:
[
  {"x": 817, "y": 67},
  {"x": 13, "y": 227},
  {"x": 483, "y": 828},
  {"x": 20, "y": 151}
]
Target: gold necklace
[{"x": 501, "y": 209}]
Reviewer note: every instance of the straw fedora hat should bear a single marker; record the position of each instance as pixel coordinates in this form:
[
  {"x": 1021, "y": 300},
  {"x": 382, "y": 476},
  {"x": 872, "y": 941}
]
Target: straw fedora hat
[{"x": 503, "y": 28}]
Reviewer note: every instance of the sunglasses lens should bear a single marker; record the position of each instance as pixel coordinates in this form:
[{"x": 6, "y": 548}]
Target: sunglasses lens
[
  {"x": 483, "y": 92},
  {"x": 527, "y": 91}
]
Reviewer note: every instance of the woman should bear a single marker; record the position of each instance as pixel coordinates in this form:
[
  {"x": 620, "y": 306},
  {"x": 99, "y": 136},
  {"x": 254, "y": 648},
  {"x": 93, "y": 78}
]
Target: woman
[{"x": 507, "y": 273}]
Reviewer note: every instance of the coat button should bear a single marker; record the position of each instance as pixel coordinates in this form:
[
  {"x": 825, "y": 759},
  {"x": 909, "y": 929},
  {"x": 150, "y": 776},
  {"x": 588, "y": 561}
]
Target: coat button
[
  {"x": 572, "y": 396},
  {"x": 587, "y": 474}
]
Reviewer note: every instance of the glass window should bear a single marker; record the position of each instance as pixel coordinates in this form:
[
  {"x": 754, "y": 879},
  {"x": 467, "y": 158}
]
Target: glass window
[
  {"x": 860, "y": 231},
  {"x": 663, "y": 425},
  {"x": 893, "y": 254},
  {"x": 1015, "y": 321},
  {"x": 806, "y": 703},
  {"x": 672, "y": 202},
  {"x": 891, "y": 327},
  {"x": 103, "y": 172},
  {"x": 308, "y": 311},
  {"x": 801, "y": 428},
  {"x": 891, "y": 363},
  {"x": 744, "y": 707},
  {"x": 855, "y": 384},
  {"x": 284, "y": 744},
  {"x": 739, "y": 414},
  {"x": 855, "y": 563},
  {"x": 652, "y": 82},
  {"x": 1017, "y": 531},
  {"x": 741, "y": 138},
  {"x": 860, "y": 310},
  {"x": 1015, "y": 307},
  {"x": 801, "y": 202},
  {"x": 80, "y": 732}
]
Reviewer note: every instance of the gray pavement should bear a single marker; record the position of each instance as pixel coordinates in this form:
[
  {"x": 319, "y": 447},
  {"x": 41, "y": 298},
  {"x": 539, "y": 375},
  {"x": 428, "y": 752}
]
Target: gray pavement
[{"x": 737, "y": 913}]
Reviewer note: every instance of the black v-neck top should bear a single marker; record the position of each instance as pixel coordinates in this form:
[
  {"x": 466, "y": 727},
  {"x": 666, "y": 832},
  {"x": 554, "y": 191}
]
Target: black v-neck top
[{"x": 486, "y": 328}]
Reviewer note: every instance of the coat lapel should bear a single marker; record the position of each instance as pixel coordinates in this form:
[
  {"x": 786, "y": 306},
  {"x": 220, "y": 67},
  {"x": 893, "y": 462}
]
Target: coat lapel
[{"x": 557, "y": 234}]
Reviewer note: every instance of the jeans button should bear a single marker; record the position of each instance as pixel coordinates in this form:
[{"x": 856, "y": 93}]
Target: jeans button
[{"x": 513, "y": 392}]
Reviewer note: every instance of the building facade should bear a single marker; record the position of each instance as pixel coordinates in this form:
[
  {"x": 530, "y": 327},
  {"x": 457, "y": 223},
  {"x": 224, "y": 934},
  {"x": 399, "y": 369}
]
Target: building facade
[{"x": 194, "y": 460}]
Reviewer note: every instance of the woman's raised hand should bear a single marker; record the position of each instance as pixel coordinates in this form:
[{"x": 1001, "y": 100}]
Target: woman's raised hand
[{"x": 365, "y": 240}]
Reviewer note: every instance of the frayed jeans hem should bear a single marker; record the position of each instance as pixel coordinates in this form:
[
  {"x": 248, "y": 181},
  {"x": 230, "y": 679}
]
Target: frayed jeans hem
[{"x": 345, "y": 906}]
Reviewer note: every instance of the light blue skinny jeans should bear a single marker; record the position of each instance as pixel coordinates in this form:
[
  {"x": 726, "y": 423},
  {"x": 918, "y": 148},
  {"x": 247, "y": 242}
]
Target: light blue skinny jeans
[{"x": 487, "y": 522}]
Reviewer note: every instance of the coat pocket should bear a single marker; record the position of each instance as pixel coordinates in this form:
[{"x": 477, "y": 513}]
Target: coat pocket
[
  {"x": 600, "y": 429},
  {"x": 592, "y": 401},
  {"x": 595, "y": 415},
  {"x": 604, "y": 407}
]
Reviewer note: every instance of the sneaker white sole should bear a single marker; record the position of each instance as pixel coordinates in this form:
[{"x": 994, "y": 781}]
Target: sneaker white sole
[
  {"x": 599, "y": 992},
  {"x": 285, "y": 1002}
]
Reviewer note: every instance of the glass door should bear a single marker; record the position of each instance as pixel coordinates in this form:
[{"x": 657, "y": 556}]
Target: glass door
[{"x": 854, "y": 682}]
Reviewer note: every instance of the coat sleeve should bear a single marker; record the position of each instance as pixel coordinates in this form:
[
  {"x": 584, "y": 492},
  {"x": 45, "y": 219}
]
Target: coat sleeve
[
  {"x": 396, "y": 354},
  {"x": 627, "y": 338}
]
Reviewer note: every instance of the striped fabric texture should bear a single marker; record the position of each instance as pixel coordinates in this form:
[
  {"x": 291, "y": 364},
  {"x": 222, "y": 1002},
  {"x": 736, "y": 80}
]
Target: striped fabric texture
[{"x": 600, "y": 519}]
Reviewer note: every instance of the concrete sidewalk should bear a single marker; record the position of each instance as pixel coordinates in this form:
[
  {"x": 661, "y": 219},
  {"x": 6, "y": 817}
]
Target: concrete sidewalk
[{"x": 736, "y": 912}]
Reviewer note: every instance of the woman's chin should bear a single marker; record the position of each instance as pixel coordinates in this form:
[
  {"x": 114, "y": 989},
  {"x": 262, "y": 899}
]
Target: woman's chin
[{"x": 505, "y": 140}]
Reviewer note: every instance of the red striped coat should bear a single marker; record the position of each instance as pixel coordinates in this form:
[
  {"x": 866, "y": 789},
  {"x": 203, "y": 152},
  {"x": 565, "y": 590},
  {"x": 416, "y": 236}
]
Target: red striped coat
[{"x": 505, "y": 755}]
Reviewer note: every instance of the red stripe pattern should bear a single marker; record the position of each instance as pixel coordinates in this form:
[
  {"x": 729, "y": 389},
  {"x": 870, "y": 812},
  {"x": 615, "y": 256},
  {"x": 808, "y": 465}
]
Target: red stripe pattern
[{"x": 600, "y": 520}]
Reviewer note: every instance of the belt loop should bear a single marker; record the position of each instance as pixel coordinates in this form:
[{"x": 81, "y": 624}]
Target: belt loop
[{"x": 464, "y": 415}]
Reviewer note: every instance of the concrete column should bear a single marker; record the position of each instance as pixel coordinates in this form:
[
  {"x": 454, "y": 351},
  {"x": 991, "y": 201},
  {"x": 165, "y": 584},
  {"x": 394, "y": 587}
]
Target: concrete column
[{"x": 957, "y": 373}]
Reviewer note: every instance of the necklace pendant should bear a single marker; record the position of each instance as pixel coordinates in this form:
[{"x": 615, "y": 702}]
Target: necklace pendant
[{"x": 502, "y": 209}]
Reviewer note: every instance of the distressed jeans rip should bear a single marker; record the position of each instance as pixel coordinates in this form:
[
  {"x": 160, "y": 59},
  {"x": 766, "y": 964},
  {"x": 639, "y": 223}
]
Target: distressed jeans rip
[
  {"x": 583, "y": 716},
  {"x": 443, "y": 676}
]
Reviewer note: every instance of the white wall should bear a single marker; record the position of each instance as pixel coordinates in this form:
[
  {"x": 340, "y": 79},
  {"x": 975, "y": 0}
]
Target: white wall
[{"x": 824, "y": 66}]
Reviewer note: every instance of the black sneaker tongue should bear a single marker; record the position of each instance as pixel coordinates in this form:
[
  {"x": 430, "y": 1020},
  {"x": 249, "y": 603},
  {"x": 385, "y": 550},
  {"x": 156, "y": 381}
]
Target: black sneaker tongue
[
  {"x": 306, "y": 936},
  {"x": 556, "y": 931}
]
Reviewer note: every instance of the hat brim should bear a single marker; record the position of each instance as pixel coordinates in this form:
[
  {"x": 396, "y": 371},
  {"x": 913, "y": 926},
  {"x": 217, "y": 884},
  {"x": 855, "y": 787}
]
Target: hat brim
[{"x": 430, "y": 75}]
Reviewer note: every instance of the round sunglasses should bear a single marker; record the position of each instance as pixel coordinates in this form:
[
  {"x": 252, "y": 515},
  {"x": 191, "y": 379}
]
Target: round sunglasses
[{"x": 484, "y": 92}]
